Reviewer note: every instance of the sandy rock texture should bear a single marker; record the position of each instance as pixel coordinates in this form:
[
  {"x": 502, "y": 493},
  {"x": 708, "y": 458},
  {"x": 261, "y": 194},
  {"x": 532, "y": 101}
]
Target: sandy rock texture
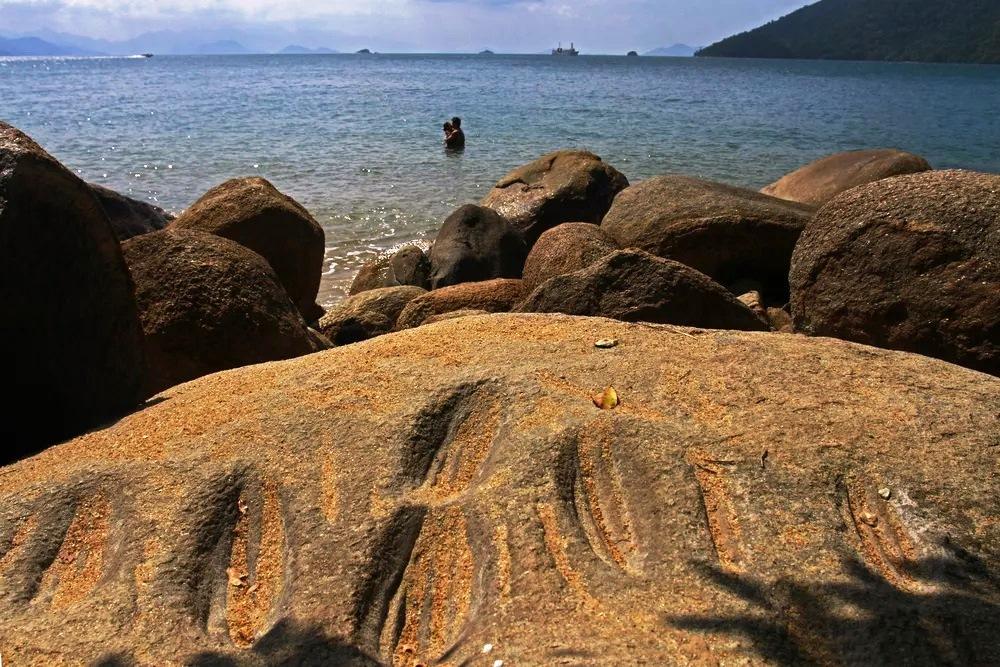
[{"x": 451, "y": 495}]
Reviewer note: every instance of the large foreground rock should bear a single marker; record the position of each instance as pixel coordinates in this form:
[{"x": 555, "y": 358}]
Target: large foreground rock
[
  {"x": 493, "y": 296},
  {"x": 565, "y": 186},
  {"x": 635, "y": 286},
  {"x": 564, "y": 249},
  {"x": 476, "y": 243},
  {"x": 208, "y": 304},
  {"x": 130, "y": 217},
  {"x": 910, "y": 263},
  {"x": 820, "y": 181},
  {"x": 368, "y": 314},
  {"x": 256, "y": 215},
  {"x": 451, "y": 495},
  {"x": 728, "y": 233},
  {"x": 406, "y": 266},
  {"x": 70, "y": 333}
]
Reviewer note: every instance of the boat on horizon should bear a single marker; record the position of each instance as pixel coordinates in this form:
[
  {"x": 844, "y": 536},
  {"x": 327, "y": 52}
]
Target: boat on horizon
[{"x": 571, "y": 51}]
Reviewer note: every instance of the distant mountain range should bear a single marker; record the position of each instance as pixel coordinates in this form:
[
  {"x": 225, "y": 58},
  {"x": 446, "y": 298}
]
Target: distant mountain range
[
  {"x": 676, "y": 51},
  {"x": 49, "y": 43},
  {"x": 900, "y": 30},
  {"x": 33, "y": 46}
]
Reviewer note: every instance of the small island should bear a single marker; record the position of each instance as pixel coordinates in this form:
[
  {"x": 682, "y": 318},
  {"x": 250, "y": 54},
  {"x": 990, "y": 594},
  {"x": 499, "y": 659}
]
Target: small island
[{"x": 633, "y": 54}]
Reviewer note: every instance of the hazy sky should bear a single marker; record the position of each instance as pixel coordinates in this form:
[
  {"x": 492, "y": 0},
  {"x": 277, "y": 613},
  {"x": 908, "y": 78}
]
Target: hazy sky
[{"x": 607, "y": 26}]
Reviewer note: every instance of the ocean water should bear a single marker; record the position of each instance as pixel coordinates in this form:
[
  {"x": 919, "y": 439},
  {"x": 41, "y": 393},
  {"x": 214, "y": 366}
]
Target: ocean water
[{"x": 357, "y": 139}]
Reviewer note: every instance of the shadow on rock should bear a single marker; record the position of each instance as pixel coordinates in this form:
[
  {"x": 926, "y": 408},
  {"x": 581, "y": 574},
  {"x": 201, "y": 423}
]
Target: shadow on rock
[
  {"x": 946, "y": 612},
  {"x": 286, "y": 645}
]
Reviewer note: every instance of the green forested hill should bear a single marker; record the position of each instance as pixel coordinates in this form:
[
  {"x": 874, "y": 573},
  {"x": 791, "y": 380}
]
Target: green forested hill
[{"x": 915, "y": 30}]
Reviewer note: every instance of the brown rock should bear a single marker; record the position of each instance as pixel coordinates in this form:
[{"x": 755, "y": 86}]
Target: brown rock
[
  {"x": 71, "y": 336},
  {"x": 780, "y": 320},
  {"x": 451, "y": 494},
  {"x": 727, "y": 233},
  {"x": 635, "y": 286},
  {"x": 753, "y": 301},
  {"x": 208, "y": 304},
  {"x": 256, "y": 215},
  {"x": 565, "y": 186},
  {"x": 368, "y": 314},
  {"x": 130, "y": 217},
  {"x": 406, "y": 266},
  {"x": 564, "y": 249},
  {"x": 493, "y": 296},
  {"x": 454, "y": 315},
  {"x": 473, "y": 244},
  {"x": 822, "y": 180},
  {"x": 908, "y": 263}
]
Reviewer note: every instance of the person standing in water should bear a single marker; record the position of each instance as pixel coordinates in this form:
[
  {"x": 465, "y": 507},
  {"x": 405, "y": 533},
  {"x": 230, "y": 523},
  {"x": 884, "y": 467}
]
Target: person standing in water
[{"x": 454, "y": 137}]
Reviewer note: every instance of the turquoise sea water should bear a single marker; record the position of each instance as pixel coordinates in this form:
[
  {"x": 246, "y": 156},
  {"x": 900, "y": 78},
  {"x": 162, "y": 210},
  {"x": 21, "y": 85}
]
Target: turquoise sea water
[{"x": 357, "y": 139}]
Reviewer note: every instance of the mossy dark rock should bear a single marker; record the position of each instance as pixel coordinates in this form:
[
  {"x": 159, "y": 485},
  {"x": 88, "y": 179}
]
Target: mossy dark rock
[
  {"x": 406, "y": 266},
  {"x": 493, "y": 296},
  {"x": 71, "y": 337},
  {"x": 563, "y": 249},
  {"x": 474, "y": 244},
  {"x": 820, "y": 181},
  {"x": 909, "y": 263},
  {"x": 730, "y": 234},
  {"x": 130, "y": 217},
  {"x": 634, "y": 286},
  {"x": 256, "y": 215},
  {"x": 565, "y": 186},
  {"x": 209, "y": 304},
  {"x": 368, "y": 314}
]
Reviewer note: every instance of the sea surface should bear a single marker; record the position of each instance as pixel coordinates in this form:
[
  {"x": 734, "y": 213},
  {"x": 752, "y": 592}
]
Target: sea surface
[{"x": 357, "y": 139}]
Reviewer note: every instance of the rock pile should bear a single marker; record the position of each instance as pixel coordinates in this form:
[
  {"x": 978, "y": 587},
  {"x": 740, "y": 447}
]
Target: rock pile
[{"x": 522, "y": 454}]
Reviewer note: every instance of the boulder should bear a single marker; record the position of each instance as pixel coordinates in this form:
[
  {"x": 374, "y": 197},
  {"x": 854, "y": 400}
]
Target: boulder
[
  {"x": 406, "y": 266},
  {"x": 368, "y": 314},
  {"x": 71, "y": 337},
  {"x": 208, "y": 304},
  {"x": 822, "y": 180},
  {"x": 475, "y": 243},
  {"x": 728, "y": 233},
  {"x": 493, "y": 296},
  {"x": 256, "y": 215},
  {"x": 909, "y": 263},
  {"x": 635, "y": 286},
  {"x": 130, "y": 217},
  {"x": 451, "y": 494},
  {"x": 563, "y": 249},
  {"x": 565, "y": 186}
]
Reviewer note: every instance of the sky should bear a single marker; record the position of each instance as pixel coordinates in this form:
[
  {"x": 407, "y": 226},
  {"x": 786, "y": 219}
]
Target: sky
[{"x": 520, "y": 26}]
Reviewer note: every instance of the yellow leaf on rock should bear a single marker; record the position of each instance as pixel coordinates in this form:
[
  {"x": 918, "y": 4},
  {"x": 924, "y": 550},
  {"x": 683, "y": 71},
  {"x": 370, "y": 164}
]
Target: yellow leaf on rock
[{"x": 607, "y": 400}]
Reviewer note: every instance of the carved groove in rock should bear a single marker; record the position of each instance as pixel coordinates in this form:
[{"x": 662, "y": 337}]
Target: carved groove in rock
[
  {"x": 383, "y": 583},
  {"x": 436, "y": 595},
  {"x": 596, "y": 497},
  {"x": 233, "y": 577},
  {"x": 451, "y": 441},
  {"x": 79, "y": 564},
  {"x": 555, "y": 544},
  {"x": 883, "y": 540},
  {"x": 57, "y": 551},
  {"x": 255, "y": 576},
  {"x": 723, "y": 523}
]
